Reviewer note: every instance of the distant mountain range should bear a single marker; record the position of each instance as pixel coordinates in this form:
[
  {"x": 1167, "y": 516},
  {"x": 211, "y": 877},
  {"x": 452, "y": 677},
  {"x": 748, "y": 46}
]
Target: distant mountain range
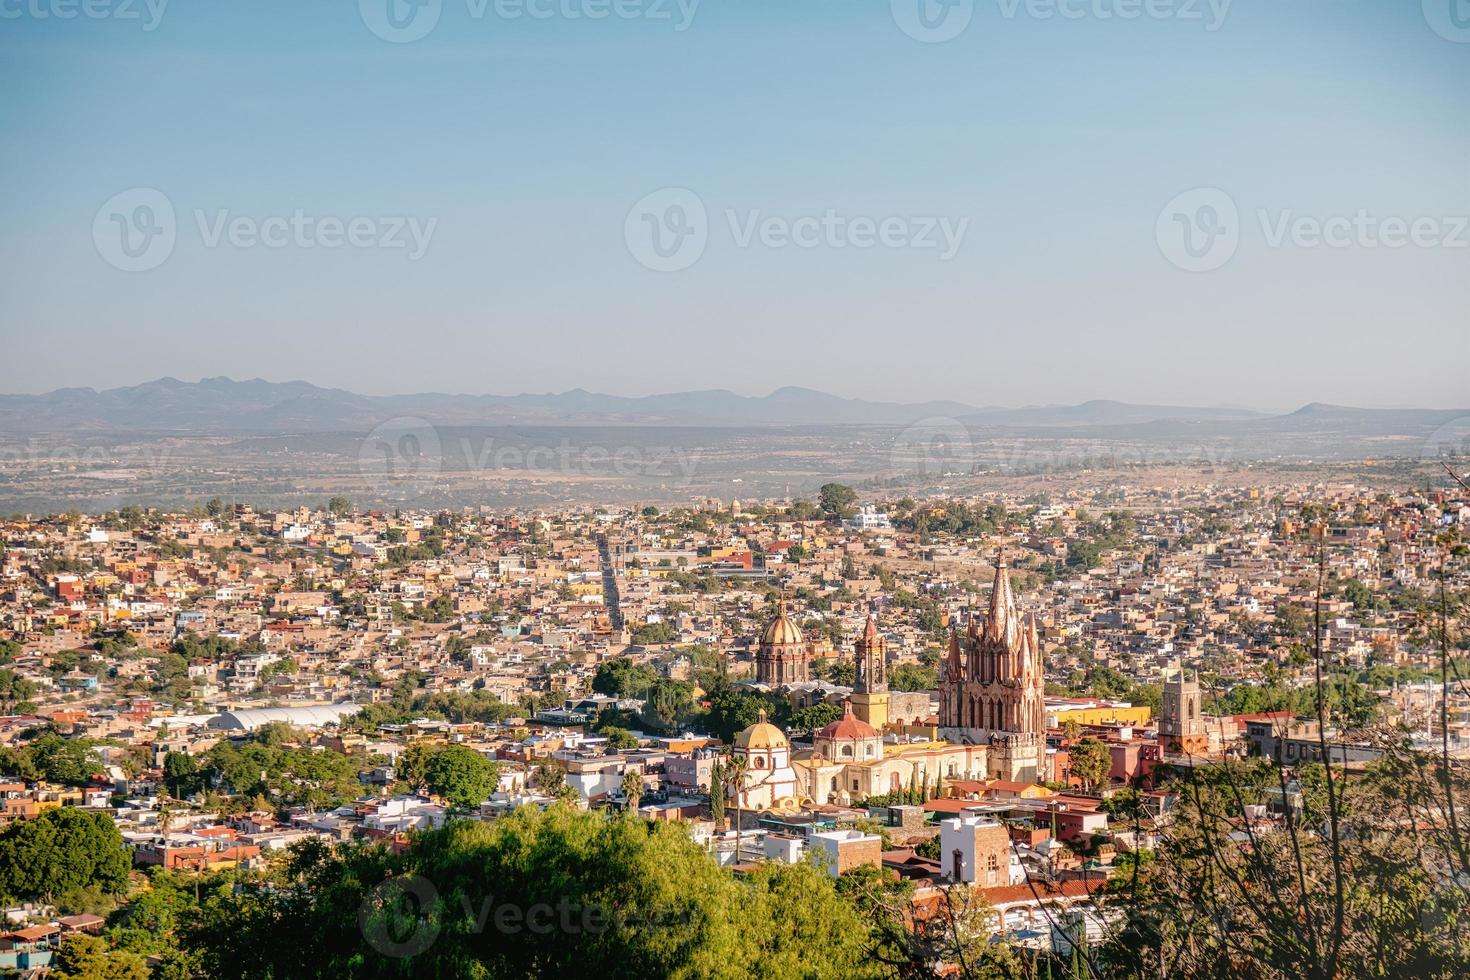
[{"x": 223, "y": 406}]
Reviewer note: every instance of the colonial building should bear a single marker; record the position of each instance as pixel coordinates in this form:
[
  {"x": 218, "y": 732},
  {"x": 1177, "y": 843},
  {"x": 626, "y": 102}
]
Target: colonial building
[
  {"x": 769, "y": 781},
  {"x": 783, "y": 655},
  {"x": 991, "y": 688},
  {"x": 840, "y": 769}
]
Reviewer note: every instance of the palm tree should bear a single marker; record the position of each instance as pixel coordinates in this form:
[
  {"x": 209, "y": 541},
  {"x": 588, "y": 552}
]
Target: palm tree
[
  {"x": 735, "y": 774},
  {"x": 632, "y": 788}
]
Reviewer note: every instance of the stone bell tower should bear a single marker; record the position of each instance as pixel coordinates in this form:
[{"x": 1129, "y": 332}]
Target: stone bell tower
[{"x": 870, "y": 691}]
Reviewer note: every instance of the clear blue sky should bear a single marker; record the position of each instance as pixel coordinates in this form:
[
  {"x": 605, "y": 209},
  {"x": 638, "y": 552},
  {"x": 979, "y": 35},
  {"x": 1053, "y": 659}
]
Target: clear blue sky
[{"x": 1060, "y": 140}]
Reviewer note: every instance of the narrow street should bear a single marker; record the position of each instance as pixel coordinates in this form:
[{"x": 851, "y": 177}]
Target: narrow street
[{"x": 609, "y": 583}]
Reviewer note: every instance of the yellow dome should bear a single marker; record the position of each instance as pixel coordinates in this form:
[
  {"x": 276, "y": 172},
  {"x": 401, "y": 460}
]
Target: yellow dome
[
  {"x": 762, "y": 735},
  {"x": 781, "y": 630}
]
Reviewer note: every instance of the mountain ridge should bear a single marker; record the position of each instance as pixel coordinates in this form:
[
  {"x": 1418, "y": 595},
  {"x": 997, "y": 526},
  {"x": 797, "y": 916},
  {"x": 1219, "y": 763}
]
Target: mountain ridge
[{"x": 220, "y": 404}]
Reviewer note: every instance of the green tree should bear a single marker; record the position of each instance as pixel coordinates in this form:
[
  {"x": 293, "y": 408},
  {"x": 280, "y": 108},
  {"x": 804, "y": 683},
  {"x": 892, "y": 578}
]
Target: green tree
[
  {"x": 623, "y": 677},
  {"x": 661, "y": 632},
  {"x": 730, "y": 711},
  {"x": 550, "y": 777},
  {"x": 813, "y": 717},
  {"x": 84, "y": 957},
  {"x": 1091, "y": 762},
  {"x": 180, "y": 774},
  {"x": 641, "y": 899},
  {"x": 632, "y": 787},
  {"x": 462, "y": 776},
  {"x": 837, "y": 501},
  {"x": 717, "y": 793},
  {"x": 14, "y": 689},
  {"x": 62, "y": 760},
  {"x": 913, "y": 677},
  {"x": 62, "y": 850},
  {"x": 619, "y": 738},
  {"x": 668, "y": 701}
]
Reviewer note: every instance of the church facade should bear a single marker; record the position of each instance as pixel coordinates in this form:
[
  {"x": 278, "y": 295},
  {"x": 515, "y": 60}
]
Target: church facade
[{"x": 992, "y": 689}]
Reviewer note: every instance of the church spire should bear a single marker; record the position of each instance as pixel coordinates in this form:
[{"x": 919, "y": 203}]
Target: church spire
[{"x": 1002, "y": 603}]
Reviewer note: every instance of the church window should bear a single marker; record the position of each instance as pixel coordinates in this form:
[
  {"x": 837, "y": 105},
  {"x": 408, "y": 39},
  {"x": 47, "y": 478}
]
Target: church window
[{"x": 847, "y": 751}]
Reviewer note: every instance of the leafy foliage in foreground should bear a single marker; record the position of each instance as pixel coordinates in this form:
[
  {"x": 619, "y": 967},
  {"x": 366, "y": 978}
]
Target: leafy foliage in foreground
[{"x": 558, "y": 893}]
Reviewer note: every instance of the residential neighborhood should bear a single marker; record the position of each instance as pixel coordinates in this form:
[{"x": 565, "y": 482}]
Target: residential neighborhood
[{"x": 996, "y": 691}]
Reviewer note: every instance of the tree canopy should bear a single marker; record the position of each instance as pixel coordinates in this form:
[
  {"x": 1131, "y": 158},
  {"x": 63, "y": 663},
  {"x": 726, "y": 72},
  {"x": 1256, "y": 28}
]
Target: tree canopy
[
  {"x": 535, "y": 894},
  {"x": 62, "y": 850}
]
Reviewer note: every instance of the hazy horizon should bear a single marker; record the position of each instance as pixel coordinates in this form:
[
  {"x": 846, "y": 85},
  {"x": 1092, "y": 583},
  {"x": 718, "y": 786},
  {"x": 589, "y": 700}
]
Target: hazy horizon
[{"x": 1285, "y": 408}]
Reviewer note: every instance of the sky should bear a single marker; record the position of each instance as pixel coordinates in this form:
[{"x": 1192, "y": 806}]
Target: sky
[{"x": 1254, "y": 203}]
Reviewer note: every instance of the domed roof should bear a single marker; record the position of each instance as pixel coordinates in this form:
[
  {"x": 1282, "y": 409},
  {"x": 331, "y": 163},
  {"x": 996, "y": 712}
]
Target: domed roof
[
  {"x": 762, "y": 735},
  {"x": 781, "y": 630},
  {"x": 849, "y": 726}
]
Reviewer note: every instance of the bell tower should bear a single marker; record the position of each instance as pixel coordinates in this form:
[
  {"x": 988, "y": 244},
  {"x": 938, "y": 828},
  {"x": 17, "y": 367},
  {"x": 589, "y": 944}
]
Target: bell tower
[{"x": 870, "y": 690}]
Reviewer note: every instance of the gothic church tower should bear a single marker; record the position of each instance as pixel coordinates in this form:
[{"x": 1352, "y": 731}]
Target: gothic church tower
[{"x": 991, "y": 687}]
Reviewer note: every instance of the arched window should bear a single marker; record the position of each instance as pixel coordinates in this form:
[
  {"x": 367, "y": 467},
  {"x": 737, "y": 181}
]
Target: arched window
[
  {"x": 847, "y": 751},
  {"x": 958, "y": 867}
]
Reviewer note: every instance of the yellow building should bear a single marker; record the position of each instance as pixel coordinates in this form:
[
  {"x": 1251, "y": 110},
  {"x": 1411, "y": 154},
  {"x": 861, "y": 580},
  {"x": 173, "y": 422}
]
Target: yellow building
[{"x": 1085, "y": 711}]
